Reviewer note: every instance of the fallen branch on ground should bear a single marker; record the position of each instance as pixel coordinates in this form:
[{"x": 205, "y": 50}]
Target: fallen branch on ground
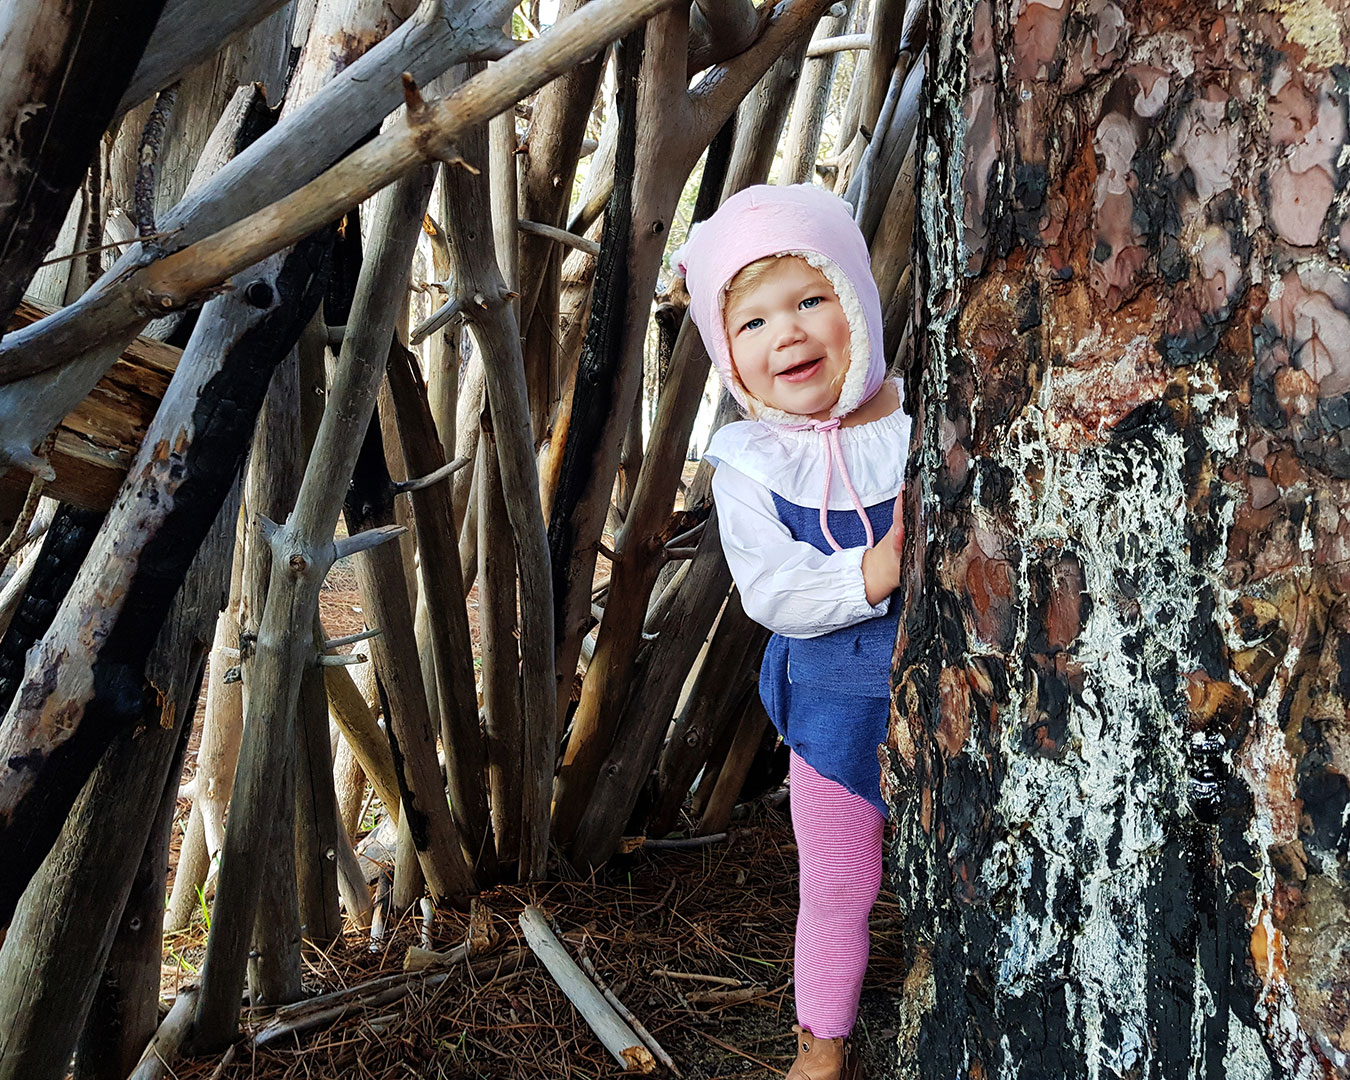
[{"x": 618, "y": 1038}]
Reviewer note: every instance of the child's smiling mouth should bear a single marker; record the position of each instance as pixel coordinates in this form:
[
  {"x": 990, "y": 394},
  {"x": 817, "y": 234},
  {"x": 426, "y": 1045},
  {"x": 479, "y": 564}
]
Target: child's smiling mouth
[{"x": 803, "y": 371}]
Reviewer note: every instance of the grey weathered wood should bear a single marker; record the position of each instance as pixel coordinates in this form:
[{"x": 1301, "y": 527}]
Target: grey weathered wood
[
  {"x": 109, "y": 313},
  {"x": 270, "y": 486},
  {"x": 447, "y": 617},
  {"x": 308, "y": 140},
  {"x": 180, "y": 478},
  {"x": 303, "y": 551},
  {"x": 66, "y": 922},
  {"x": 186, "y": 34},
  {"x": 618, "y": 1038},
  {"x": 382, "y": 580},
  {"x": 503, "y": 722},
  {"x": 807, "y": 117},
  {"x": 61, "y": 65},
  {"x": 496, "y": 337}
]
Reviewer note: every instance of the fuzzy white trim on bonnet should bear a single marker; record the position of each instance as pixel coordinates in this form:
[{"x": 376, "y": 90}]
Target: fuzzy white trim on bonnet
[
  {"x": 817, "y": 226},
  {"x": 801, "y": 220}
]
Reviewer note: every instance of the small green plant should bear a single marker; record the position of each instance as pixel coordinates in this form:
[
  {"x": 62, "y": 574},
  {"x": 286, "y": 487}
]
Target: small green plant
[{"x": 205, "y": 907}]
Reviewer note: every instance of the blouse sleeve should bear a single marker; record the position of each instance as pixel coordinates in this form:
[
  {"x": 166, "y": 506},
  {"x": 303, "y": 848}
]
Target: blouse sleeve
[{"x": 787, "y": 585}]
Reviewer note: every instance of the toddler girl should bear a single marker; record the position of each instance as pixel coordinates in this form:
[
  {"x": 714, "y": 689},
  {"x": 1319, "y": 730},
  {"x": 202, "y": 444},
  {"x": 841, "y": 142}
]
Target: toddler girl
[{"x": 806, "y": 492}]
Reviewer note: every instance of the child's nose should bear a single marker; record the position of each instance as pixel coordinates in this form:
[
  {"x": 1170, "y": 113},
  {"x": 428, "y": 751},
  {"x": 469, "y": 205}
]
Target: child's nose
[{"x": 790, "y": 332}]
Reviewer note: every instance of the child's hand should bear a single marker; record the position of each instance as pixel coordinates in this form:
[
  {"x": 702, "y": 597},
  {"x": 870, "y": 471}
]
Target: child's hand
[{"x": 881, "y": 564}]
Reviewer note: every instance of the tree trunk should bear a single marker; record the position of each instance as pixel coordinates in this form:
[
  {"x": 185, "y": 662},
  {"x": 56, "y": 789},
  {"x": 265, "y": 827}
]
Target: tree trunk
[{"x": 1118, "y": 760}]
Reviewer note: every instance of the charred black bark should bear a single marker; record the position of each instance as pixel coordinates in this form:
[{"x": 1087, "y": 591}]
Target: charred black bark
[
  {"x": 223, "y": 421},
  {"x": 602, "y": 350},
  {"x": 74, "y": 91},
  {"x": 67, "y": 542}
]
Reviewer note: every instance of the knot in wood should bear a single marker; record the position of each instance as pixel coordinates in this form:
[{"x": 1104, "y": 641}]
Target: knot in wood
[
  {"x": 258, "y": 294},
  {"x": 298, "y": 563}
]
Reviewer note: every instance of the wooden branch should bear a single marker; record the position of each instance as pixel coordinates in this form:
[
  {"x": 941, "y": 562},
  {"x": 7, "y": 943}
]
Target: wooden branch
[
  {"x": 811, "y": 103},
  {"x": 350, "y": 639},
  {"x": 618, "y": 1038},
  {"x": 626, "y": 1014},
  {"x": 178, "y": 280},
  {"x": 561, "y": 236},
  {"x": 731, "y": 778},
  {"x": 827, "y": 46},
  {"x": 328, "y": 1009},
  {"x": 497, "y": 335},
  {"x": 433, "y": 477},
  {"x": 442, "y": 597},
  {"x": 300, "y": 560},
  {"x": 168, "y": 1038},
  {"x": 358, "y": 726},
  {"x": 365, "y": 540},
  {"x": 340, "y": 660},
  {"x": 443, "y": 316},
  {"x": 186, "y": 34}
]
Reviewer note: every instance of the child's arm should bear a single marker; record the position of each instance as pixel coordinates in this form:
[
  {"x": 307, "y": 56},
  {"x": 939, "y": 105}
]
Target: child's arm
[
  {"x": 787, "y": 585},
  {"x": 881, "y": 564}
]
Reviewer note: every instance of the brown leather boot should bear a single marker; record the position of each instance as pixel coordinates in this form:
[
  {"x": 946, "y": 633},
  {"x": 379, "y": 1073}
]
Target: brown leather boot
[{"x": 823, "y": 1059}]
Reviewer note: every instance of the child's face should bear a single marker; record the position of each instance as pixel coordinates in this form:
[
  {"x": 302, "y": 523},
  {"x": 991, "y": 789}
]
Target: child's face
[{"x": 789, "y": 339}]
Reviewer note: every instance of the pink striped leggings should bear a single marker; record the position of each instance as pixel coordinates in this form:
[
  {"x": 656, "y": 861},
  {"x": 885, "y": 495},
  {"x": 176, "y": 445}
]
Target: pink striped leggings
[{"x": 839, "y": 853}]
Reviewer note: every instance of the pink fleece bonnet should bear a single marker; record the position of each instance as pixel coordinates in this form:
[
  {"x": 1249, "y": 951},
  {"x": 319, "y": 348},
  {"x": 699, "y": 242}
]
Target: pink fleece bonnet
[{"x": 802, "y": 220}]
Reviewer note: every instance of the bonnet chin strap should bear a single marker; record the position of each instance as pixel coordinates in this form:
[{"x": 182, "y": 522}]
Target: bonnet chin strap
[{"x": 829, "y": 435}]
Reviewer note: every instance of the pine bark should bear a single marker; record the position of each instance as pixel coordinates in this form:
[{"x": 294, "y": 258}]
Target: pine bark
[{"x": 1117, "y": 760}]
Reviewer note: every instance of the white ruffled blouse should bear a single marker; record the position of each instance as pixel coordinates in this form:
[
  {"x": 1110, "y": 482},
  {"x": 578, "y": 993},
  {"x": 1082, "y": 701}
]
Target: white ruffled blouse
[{"x": 788, "y": 585}]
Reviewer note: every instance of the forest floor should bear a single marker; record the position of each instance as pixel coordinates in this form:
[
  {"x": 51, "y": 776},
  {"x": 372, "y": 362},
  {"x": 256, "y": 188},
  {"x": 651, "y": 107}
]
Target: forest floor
[{"x": 696, "y": 943}]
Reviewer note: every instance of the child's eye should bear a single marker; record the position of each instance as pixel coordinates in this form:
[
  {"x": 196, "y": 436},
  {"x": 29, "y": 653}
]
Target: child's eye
[
  {"x": 753, "y": 324},
  {"x": 812, "y": 301}
]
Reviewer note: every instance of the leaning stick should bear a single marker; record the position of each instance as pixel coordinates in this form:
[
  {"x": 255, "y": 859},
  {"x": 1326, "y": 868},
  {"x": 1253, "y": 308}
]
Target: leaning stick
[
  {"x": 431, "y": 132},
  {"x": 168, "y": 1038},
  {"x": 618, "y": 1038}
]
